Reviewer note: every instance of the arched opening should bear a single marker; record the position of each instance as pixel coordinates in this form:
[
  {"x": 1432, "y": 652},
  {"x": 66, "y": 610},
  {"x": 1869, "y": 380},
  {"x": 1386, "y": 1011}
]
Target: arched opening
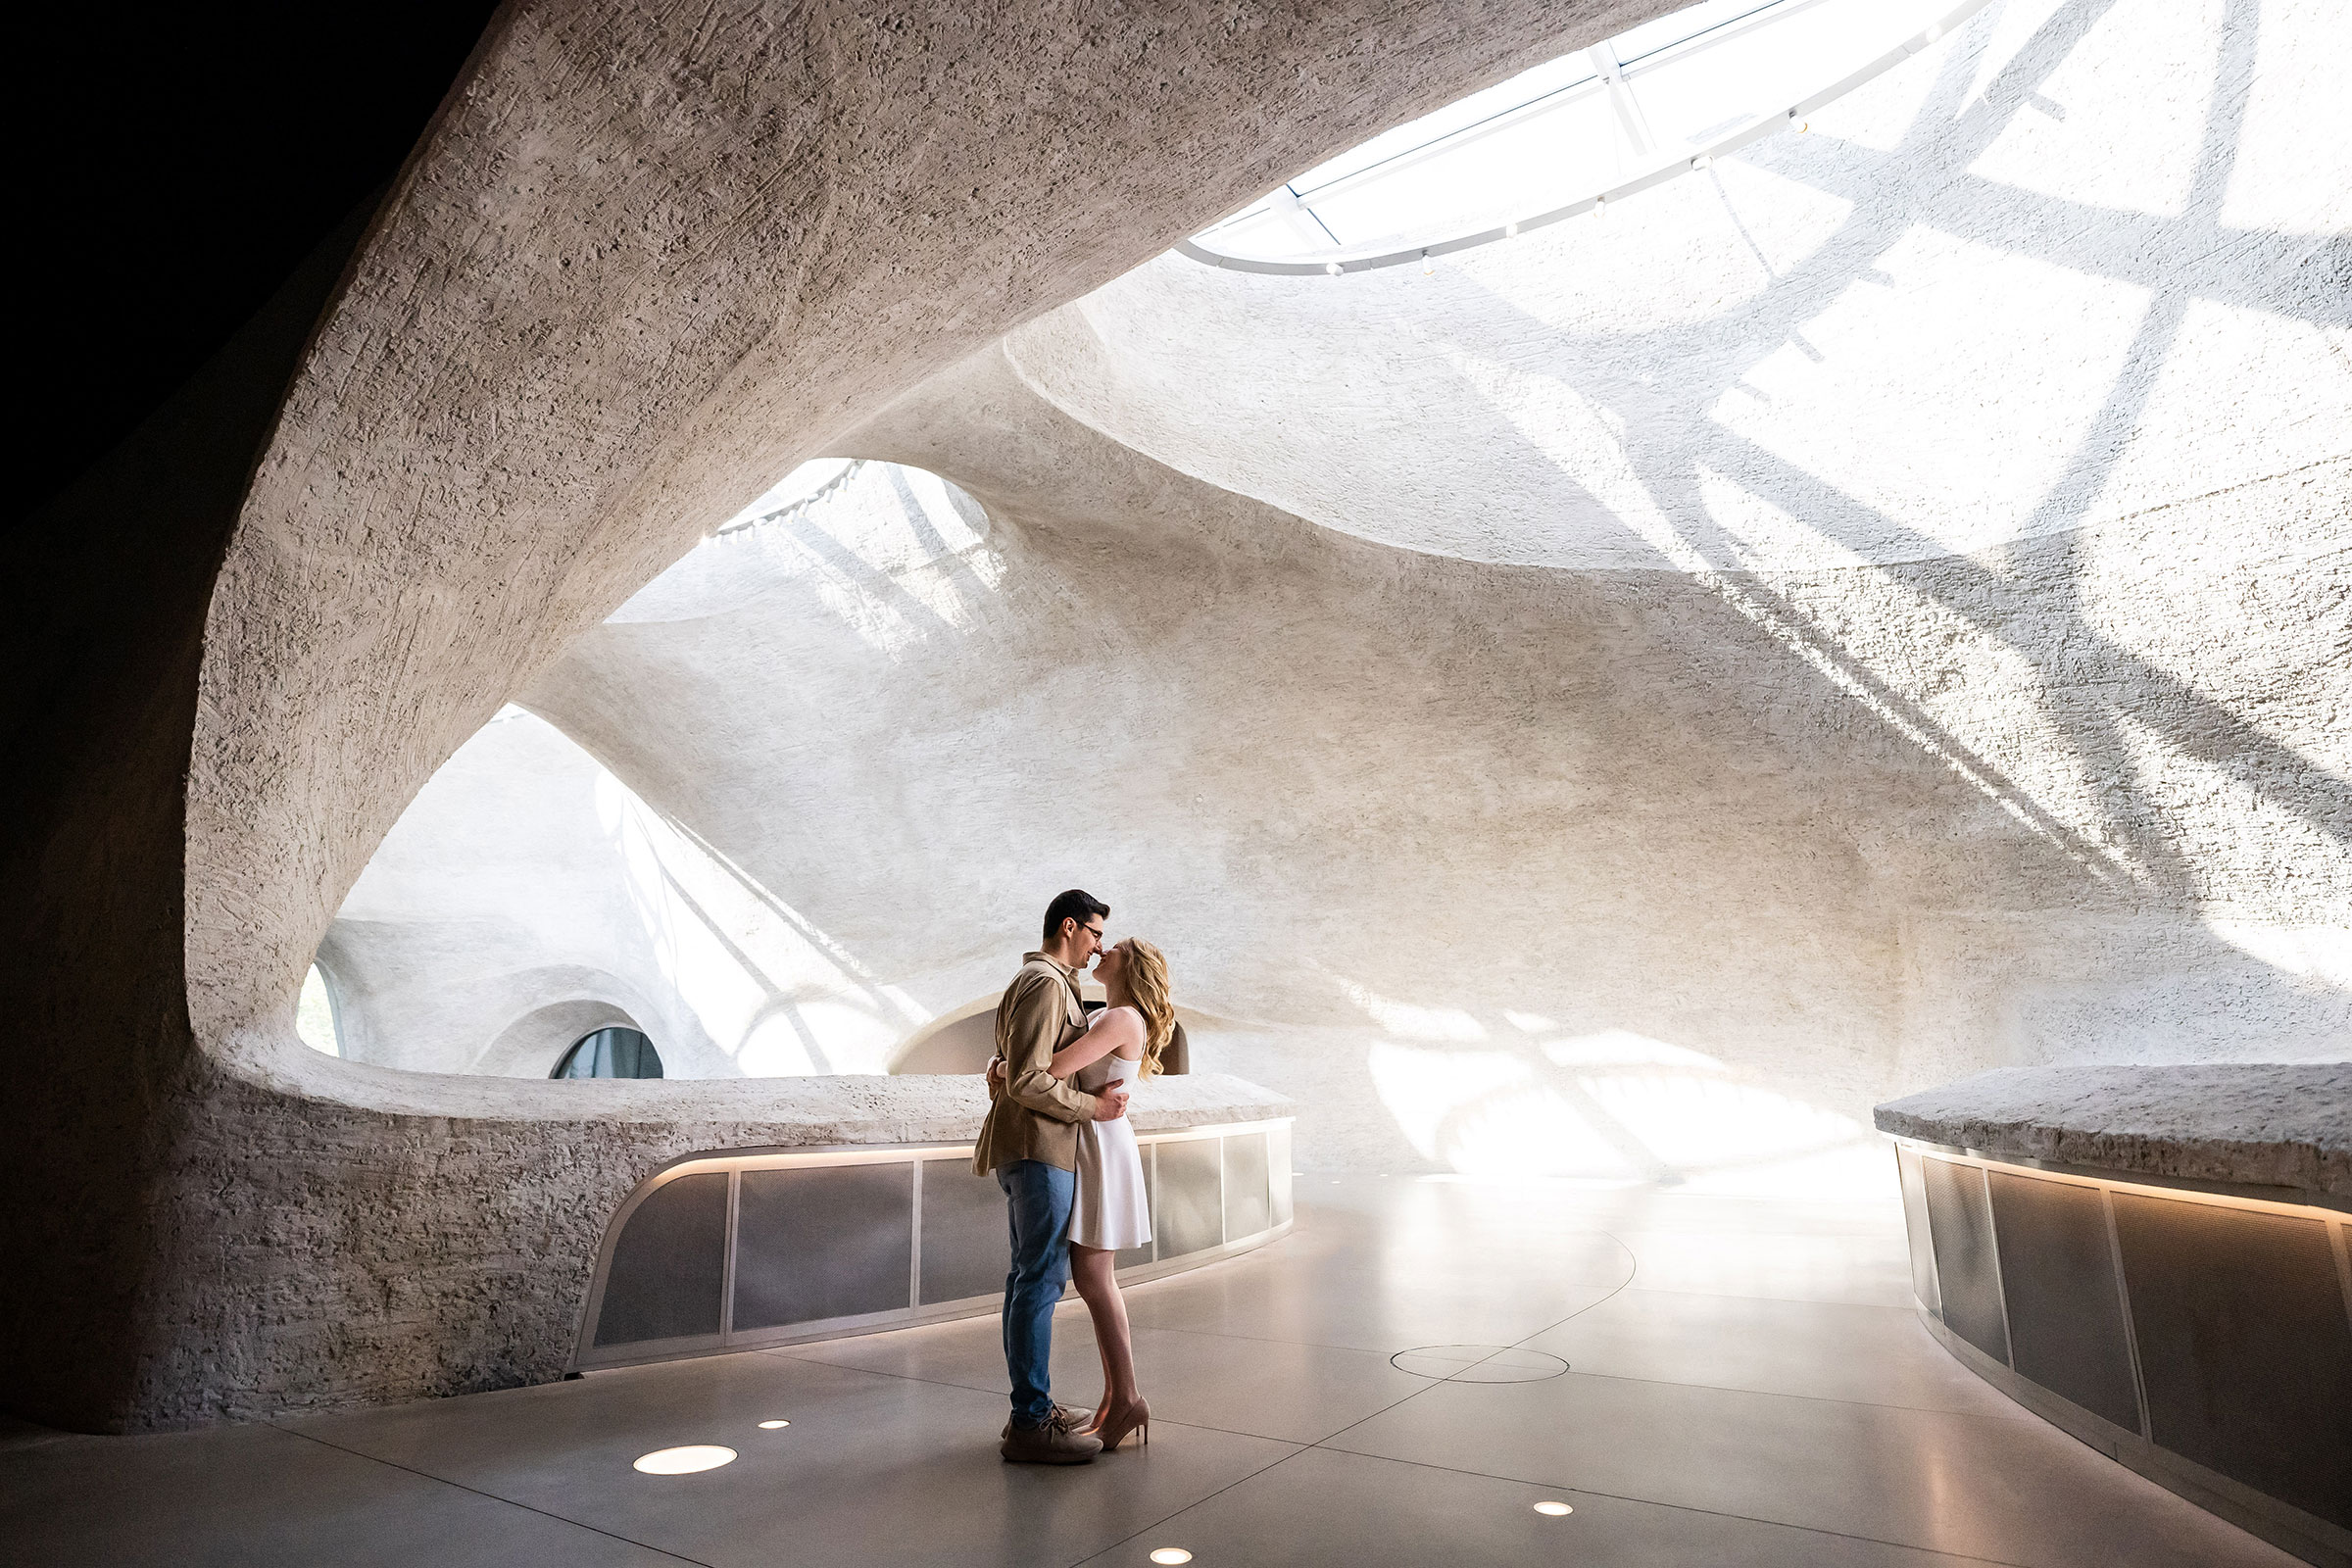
[
  {"x": 317, "y": 1016},
  {"x": 613, "y": 1052}
]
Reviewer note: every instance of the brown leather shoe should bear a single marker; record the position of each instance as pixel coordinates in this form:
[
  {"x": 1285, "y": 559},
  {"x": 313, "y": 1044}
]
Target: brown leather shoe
[{"x": 1055, "y": 1443}]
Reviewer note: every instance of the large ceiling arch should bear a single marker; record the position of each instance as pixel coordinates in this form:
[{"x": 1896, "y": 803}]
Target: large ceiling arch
[{"x": 641, "y": 264}]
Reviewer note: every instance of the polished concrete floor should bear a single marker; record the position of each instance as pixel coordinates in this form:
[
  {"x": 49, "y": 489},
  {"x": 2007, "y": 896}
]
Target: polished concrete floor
[{"x": 1745, "y": 1384}]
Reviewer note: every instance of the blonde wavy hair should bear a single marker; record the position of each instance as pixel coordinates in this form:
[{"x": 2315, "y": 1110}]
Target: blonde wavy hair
[{"x": 1148, "y": 986}]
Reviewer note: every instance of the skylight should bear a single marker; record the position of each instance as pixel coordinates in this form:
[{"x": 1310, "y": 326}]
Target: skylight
[{"x": 1569, "y": 136}]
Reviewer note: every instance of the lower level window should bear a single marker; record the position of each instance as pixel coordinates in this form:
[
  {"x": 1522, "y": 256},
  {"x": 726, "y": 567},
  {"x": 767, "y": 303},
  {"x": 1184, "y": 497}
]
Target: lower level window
[{"x": 613, "y": 1052}]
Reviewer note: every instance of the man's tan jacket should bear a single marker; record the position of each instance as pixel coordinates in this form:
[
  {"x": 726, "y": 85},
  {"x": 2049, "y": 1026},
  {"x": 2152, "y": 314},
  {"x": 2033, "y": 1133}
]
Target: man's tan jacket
[{"x": 1034, "y": 1115}]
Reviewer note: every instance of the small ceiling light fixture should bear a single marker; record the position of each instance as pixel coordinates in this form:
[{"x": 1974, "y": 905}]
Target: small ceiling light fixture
[
  {"x": 1170, "y": 1555},
  {"x": 1428, "y": 263},
  {"x": 1601, "y": 207},
  {"x": 1701, "y": 161},
  {"x": 1554, "y": 1509},
  {"x": 1333, "y": 267},
  {"x": 1510, "y": 230},
  {"x": 774, "y": 1426},
  {"x": 684, "y": 1461}
]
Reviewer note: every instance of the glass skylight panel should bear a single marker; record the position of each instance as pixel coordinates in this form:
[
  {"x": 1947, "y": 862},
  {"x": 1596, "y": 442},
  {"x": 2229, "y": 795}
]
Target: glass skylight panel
[{"x": 1564, "y": 133}]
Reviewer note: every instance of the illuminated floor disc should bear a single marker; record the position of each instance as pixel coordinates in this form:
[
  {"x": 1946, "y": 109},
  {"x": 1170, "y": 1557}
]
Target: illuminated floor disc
[
  {"x": 685, "y": 1461},
  {"x": 1478, "y": 1363}
]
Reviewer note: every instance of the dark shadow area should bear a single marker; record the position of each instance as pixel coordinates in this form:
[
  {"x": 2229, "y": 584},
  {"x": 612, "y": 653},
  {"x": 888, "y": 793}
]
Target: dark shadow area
[{"x": 178, "y": 164}]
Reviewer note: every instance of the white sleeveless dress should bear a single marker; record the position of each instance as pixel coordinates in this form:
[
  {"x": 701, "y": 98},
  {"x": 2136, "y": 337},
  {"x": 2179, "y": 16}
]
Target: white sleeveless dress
[{"x": 1110, "y": 1209}]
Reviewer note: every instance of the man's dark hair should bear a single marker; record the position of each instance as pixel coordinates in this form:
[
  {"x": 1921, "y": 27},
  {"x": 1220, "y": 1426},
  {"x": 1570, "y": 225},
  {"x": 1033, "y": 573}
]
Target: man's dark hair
[{"x": 1075, "y": 905}]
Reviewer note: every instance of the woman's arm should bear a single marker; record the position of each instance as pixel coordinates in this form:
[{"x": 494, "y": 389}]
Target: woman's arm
[{"x": 1112, "y": 1028}]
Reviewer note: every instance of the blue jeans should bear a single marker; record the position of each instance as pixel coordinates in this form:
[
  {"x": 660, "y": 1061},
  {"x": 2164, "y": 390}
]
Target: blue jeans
[{"x": 1038, "y": 1201}]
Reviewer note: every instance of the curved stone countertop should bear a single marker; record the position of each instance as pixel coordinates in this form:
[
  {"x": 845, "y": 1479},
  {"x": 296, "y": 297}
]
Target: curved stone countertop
[{"x": 2282, "y": 1126}]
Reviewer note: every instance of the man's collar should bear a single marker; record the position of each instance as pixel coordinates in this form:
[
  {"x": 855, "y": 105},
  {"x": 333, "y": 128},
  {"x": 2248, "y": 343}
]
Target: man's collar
[{"x": 1067, "y": 973}]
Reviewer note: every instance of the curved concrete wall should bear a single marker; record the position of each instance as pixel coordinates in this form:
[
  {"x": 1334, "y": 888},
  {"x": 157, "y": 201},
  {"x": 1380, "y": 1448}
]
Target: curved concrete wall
[{"x": 640, "y": 263}]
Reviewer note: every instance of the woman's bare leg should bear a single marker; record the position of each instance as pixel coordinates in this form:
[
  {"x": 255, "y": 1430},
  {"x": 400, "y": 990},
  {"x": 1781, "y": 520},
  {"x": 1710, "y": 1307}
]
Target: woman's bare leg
[{"x": 1090, "y": 1267}]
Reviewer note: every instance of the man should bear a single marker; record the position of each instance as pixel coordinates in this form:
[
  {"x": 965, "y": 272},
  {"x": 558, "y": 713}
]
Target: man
[{"x": 1029, "y": 1139}]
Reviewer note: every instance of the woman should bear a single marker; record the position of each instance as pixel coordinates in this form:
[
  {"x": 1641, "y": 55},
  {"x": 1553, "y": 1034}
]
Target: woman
[{"x": 1110, "y": 1211}]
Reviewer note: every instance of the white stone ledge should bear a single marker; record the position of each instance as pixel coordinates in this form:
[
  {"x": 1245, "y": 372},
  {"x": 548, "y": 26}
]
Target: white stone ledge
[{"x": 2282, "y": 1125}]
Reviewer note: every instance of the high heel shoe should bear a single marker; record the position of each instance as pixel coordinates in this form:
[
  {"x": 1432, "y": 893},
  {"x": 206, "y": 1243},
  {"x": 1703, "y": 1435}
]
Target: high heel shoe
[{"x": 1136, "y": 1417}]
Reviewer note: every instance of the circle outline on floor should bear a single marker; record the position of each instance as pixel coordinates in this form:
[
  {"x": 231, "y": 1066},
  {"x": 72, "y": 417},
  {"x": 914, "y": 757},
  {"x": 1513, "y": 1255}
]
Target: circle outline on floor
[{"x": 1478, "y": 1363}]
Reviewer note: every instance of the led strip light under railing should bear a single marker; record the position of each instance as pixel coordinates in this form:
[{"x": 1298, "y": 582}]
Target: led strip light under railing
[{"x": 1600, "y": 202}]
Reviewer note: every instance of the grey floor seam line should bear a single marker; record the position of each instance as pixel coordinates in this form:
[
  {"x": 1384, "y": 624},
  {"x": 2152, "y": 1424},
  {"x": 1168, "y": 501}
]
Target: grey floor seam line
[
  {"x": 1436, "y": 1382},
  {"x": 1679, "y": 1507},
  {"x": 1206, "y": 1496},
  {"x": 1197, "y": 1425},
  {"x": 1729, "y": 1296},
  {"x": 2023, "y": 1414},
  {"x": 427, "y": 1475},
  {"x": 1325, "y": 1344}
]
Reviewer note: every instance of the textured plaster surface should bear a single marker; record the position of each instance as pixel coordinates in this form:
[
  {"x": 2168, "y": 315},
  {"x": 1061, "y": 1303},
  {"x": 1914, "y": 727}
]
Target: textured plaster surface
[
  {"x": 2257, "y": 1124},
  {"x": 641, "y": 263}
]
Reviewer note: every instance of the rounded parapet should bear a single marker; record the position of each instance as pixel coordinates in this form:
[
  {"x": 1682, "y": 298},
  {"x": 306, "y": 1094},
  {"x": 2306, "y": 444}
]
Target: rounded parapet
[
  {"x": 2280, "y": 1129},
  {"x": 739, "y": 1249}
]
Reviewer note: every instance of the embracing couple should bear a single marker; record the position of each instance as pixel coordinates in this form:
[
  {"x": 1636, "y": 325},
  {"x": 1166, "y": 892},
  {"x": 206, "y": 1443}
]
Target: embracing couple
[{"x": 1058, "y": 1140}]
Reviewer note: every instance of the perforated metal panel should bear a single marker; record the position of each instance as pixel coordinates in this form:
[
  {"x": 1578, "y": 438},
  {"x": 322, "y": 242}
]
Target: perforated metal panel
[
  {"x": 967, "y": 1241},
  {"x": 2244, "y": 1349},
  {"x": 822, "y": 1242},
  {"x": 1192, "y": 1197},
  {"x": 1248, "y": 1205},
  {"x": 1967, "y": 1268},
  {"x": 2066, "y": 1307},
  {"x": 1915, "y": 1226},
  {"x": 668, "y": 1265}
]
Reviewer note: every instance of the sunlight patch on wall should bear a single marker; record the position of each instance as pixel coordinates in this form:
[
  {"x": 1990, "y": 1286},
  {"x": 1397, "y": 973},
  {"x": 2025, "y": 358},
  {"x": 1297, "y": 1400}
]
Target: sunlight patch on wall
[
  {"x": 761, "y": 981},
  {"x": 314, "y": 1015},
  {"x": 2120, "y": 123},
  {"x": 1929, "y": 396},
  {"x": 2289, "y": 406},
  {"x": 2235, "y": 844},
  {"x": 2293, "y": 169},
  {"x": 1410, "y": 1022},
  {"x": 1583, "y": 440},
  {"x": 2320, "y": 952},
  {"x": 1619, "y": 1107}
]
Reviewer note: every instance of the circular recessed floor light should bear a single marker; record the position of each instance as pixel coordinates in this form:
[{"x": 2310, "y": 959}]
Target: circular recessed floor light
[
  {"x": 1555, "y": 1510},
  {"x": 774, "y": 1426},
  {"x": 1171, "y": 1554},
  {"x": 684, "y": 1461}
]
